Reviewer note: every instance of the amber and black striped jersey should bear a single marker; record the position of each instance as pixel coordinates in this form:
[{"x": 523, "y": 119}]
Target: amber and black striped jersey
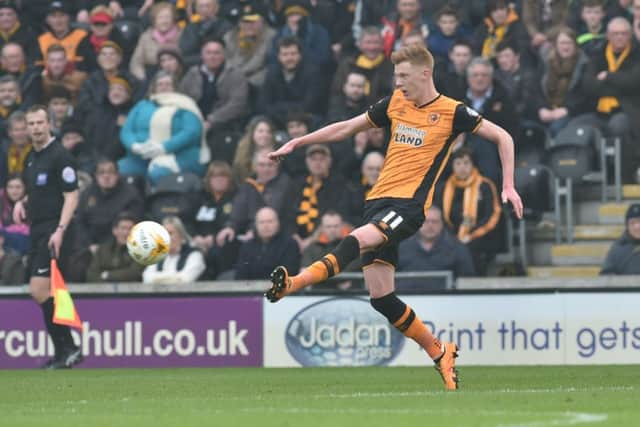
[{"x": 420, "y": 144}]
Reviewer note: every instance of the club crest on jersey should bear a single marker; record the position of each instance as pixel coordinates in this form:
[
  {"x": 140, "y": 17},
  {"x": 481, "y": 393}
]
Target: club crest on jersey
[
  {"x": 408, "y": 135},
  {"x": 433, "y": 118}
]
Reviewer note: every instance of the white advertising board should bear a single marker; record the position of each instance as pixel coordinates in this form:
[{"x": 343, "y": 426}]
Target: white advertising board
[{"x": 520, "y": 329}]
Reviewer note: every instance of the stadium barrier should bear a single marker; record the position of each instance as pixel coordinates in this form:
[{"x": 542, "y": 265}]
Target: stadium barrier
[{"x": 515, "y": 321}]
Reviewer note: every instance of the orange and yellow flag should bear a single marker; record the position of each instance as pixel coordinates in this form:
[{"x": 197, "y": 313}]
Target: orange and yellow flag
[{"x": 64, "y": 312}]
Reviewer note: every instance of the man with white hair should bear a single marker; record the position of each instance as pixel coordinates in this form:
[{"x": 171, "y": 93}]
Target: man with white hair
[{"x": 612, "y": 79}]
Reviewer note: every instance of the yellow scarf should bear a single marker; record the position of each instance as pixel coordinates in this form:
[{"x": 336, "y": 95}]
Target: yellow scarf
[
  {"x": 471, "y": 187},
  {"x": 308, "y": 209},
  {"x": 259, "y": 187},
  {"x": 496, "y": 33},
  {"x": 607, "y": 104},
  {"x": 369, "y": 64},
  {"x": 15, "y": 159},
  {"x": 11, "y": 32}
]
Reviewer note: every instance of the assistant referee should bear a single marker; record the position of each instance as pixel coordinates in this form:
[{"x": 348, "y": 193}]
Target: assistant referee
[{"x": 51, "y": 200}]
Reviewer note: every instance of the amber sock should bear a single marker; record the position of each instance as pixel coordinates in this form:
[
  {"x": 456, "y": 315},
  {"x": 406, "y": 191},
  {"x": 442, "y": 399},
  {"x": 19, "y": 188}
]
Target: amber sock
[
  {"x": 405, "y": 320},
  {"x": 330, "y": 265},
  {"x": 412, "y": 327}
]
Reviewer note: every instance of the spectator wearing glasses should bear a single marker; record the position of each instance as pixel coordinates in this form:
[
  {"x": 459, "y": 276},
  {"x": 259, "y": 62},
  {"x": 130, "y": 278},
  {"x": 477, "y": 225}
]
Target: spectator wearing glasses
[{"x": 101, "y": 203}]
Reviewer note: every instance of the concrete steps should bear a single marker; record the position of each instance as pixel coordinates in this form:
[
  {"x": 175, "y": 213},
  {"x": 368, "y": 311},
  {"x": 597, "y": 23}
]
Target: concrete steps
[
  {"x": 612, "y": 213},
  {"x": 568, "y": 271},
  {"x": 579, "y": 254}
]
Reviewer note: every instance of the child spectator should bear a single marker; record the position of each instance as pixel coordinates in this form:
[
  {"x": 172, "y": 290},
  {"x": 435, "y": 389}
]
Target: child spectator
[{"x": 447, "y": 30}]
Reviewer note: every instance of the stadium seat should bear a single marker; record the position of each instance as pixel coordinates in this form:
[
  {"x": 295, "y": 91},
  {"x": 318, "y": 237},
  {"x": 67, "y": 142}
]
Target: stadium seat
[
  {"x": 531, "y": 146},
  {"x": 223, "y": 144},
  {"x": 569, "y": 163},
  {"x": 534, "y": 186},
  {"x": 175, "y": 194},
  {"x": 130, "y": 29},
  {"x": 139, "y": 182}
]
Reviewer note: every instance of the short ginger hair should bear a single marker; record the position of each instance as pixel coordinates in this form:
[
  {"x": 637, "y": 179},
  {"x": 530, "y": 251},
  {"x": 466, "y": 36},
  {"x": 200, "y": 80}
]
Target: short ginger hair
[{"x": 415, "y": 54}]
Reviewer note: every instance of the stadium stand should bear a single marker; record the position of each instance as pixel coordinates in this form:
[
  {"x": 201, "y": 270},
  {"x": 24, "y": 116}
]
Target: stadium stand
[{"x": 568, "y": 173}]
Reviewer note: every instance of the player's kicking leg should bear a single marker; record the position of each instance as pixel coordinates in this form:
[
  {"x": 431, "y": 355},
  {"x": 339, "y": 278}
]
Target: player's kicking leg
[
  {"x": 379, "y": 277},
  {"x": 360, "y": 239}
]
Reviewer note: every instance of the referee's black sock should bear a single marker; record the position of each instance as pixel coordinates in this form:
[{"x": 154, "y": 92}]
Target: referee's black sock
[{"x": 54, "y": 330}]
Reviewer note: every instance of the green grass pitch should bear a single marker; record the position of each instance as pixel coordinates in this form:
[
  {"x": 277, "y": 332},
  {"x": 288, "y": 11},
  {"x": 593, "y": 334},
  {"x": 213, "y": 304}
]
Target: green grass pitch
[{"x": 352, "y": 397}]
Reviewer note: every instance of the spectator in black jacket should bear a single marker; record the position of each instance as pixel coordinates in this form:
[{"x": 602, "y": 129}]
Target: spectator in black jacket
[
  {"x": 501, "y": 23},
  {"x": 491, "y": 100},
  {"x": 12, "y": 30},
  {"x": 291, "y": 85},
  {"x": 102, "y": 29},
  {"x": 268, "y": 187},
  {"x": 351, "y": 101},
  {"x": 624, "y": 254},
  {"x": 612, "y": 79},
  {"x": 101, "y": 203},
  {"x": 562, "y": 95},
  {"x": 432, "y": 248},
  {"x": 472, "y": 210},
  {"x": 311, "y": 196},
  {"x": 112, "y": 262},
  {"x": 521, "y": 83},
  {"x": 268, "y": 249},
  {"x": 209, "y": 26},
  {"x": 14, "y": 63},
  {"x": 370, "y": 61},
  {"x": 104, "y": 122},
  {"x": 9, "y": 102},
  {"x": 451, "y": 76},
  {"x": 211, "y": 216},
  {"x": 96, "y": 87}
]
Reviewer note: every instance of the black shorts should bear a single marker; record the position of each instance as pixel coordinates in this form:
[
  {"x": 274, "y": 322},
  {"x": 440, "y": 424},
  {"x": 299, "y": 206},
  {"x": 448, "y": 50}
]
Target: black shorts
[
  {"x": 39, "y": 252},
  {"x": 397, "y": 219}
]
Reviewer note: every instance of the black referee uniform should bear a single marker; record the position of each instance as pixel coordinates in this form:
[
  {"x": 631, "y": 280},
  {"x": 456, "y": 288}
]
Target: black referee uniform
[{"x": 48, "y": 174}]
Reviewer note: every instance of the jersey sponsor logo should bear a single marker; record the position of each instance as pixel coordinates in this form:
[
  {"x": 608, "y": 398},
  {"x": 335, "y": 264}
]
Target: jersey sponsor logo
[
  {"x": 407, "y": 135},
  {"x": 41, "y": 179},
  {"x": 68, "y": 175}
]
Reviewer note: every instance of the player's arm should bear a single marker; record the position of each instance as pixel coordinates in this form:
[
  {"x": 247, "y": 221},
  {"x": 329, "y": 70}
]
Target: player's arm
[
  {"x": 338, "y": 131},
  {"x": 376, "y": 116},
  {"x": 494, "y": 133}
]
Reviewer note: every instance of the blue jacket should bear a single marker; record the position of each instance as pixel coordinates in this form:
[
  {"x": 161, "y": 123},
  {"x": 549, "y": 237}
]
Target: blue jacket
[
  {"x": 316, "y": 44},
  {"x": 186, "y": 128}
]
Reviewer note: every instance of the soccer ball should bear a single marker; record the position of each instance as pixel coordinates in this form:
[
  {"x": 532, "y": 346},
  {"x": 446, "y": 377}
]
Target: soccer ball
[{"x": 148, "y": 242}]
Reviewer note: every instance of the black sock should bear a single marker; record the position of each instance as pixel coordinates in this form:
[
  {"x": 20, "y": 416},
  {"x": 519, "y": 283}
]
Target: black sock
[{"x": 47, "y": 312}]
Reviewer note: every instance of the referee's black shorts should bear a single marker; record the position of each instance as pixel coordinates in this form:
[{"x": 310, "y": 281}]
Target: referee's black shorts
[
  {"x": 397, "y": 219},
  {"x": 39, "y": 252}
]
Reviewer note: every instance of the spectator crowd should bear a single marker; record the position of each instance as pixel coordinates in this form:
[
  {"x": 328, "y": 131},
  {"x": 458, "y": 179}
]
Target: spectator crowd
[{"x": 171, "y": 107}]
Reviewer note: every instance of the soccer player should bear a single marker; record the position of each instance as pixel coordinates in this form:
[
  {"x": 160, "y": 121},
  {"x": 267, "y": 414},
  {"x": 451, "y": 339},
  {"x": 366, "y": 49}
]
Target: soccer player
[
  {"x": 423, "y": 125},
  {"x": 52, "y": 198}
]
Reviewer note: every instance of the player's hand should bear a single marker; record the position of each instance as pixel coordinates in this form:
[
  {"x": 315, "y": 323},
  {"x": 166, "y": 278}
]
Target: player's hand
[
  {"x": 281, "y": 152},
  {"x": 19, "y": 213},
  {"x": 55, "y": 241},
  {"x": 509, "y": 194}
]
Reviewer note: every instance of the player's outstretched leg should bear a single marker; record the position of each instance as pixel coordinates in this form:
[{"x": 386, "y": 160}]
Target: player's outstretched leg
[
  {"x": 330, "y": 265},
  {"x": 406, "y": 321},
  {"x": 280, "y": 282},
  {"x": 446, "y": 366}
]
